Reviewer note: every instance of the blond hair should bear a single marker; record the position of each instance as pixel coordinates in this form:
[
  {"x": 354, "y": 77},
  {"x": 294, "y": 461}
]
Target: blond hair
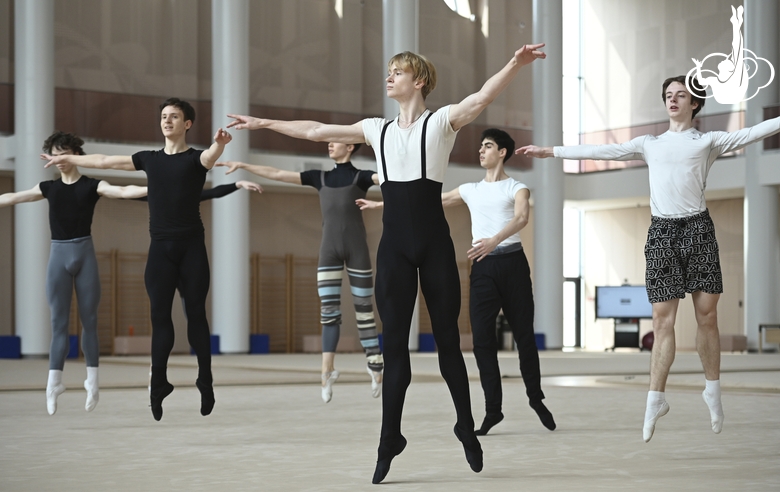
[{"x": 420, "y": 67}]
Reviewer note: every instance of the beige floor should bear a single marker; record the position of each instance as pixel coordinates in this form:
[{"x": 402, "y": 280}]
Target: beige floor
[{"x": 271, "y": 431}]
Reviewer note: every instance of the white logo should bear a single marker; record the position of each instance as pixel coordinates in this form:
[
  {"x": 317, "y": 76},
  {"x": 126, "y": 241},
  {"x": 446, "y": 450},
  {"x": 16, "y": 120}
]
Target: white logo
[{"x": 730, "y": 84}]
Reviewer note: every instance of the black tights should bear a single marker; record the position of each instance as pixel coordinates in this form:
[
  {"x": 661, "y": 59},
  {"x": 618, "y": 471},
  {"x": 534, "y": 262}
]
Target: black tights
[
  {"x": 179, "y": 263},
  {"x": 416, "y": 237}
]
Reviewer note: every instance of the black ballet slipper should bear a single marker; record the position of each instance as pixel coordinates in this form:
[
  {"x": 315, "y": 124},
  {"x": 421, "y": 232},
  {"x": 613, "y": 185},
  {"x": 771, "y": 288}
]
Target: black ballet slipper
[
  {"x": 490, "y": 420},
  {"x": 156, "y": 397},
  {"x": 206, "y": 397},
  {"x": 472, "y": 447},
  {"x": 385, "y": 458},
  {"x": 544, "y": 415}
]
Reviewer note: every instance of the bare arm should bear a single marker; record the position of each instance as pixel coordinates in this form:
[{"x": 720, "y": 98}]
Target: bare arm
[
  {"x": 108, "y": 190},
  {"x": 466, "y": 111},
  {"x": 209, "y": 156},
  {"x": 451, "y": 198},
  {"x": 367, "y": 204},
  {"x": 266, "y": 172},
  {"x": 534, "y": 151},
  {"x": 92, "y": 161},
  {"x": 303, "y": 129},
  {"x": 32, "y": 195},
  {"x": 483, "y": 247}
]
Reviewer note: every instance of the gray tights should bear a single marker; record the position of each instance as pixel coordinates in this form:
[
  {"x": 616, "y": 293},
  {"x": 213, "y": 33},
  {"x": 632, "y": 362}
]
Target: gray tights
[{"x": 73, "y": 262}]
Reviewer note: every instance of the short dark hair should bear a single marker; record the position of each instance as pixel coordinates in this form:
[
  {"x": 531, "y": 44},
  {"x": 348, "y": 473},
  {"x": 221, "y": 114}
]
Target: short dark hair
[
  {"x": 186, "y": 108},
  {"x": 355, "y": 147},
  {"x": 502, "y": 139},
  {"x": 64, "y": 141},
  {"x": 698, "y": 93}
]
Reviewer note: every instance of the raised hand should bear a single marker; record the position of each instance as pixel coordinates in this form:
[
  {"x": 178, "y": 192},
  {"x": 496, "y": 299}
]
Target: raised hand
[
  {"x": 231, "y": 165},
  {"x": 242, "y": 122},
  {"x": 529, "y": 53},
  {"x": 534, "y": 151},
  {"x": 249, "y": 185},
  {"x": 222, "y": 137}
]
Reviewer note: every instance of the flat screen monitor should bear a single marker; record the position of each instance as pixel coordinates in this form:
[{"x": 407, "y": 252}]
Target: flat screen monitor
[{"x": 625, "y": 301}]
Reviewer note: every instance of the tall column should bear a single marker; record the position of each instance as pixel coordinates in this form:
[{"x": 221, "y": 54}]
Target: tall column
[
  {"x": 33, "y": 123},
  {"x": 230, "y": 242},
  {"x": 762, "y": 239},
  {"x": 548, "y": 196},
  {"x": 400, "y": 32}
]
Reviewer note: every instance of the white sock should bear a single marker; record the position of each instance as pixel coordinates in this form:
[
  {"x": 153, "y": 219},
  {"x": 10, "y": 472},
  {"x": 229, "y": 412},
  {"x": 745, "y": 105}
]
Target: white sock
[
  {"x": 91, "y": 385},
  {"x": 711, "y": 395},
  {"x": 656, "y": 408},
  {"x": 54, "y": 388}
]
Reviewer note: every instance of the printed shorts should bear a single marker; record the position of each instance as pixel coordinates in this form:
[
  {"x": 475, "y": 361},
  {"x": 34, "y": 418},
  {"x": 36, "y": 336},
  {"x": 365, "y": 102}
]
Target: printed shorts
[{"x": 681, "y": 255}]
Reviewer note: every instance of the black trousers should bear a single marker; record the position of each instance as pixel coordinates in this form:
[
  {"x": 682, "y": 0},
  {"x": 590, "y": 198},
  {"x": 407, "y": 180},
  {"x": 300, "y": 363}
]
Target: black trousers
[
  {"x": 179, "y": 263},
  {"x": 503, "y": 282},
  {"x": 416, "y": 239}
]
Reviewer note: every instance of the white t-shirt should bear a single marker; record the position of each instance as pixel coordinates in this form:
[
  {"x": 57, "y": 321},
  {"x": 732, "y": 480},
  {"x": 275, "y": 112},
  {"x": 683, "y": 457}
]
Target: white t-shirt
[
  {"x": 678, "y": 162},
  {"x": 403, "y": 146},
  {"x": 492, "y": 206}
]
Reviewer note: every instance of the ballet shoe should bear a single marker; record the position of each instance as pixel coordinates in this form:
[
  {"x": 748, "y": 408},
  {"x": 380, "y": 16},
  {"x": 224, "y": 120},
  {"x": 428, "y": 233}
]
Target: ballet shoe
[
  {"x": 544, "y": 414},
  {"x": 489, "y": 421},
  {"x": 383, "y": 464},
  {"x": 206, "y": 397},
  {"x": 472, "y": 448},
  {"x": 649, "y": 427},
  {"x": 156, "y": 398}
]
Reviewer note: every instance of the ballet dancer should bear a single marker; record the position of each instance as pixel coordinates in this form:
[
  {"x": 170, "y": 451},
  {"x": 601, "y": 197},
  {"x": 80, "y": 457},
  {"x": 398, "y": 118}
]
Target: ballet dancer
[
  {"x": 500, "y": 275},
  {"x": 177, "y": 251},
  {"x": 412, "y": 154},
  {"x": 72, "y": 262},
  {"x": 343, "y": 242},
  {"x": 681, "y": 252}
]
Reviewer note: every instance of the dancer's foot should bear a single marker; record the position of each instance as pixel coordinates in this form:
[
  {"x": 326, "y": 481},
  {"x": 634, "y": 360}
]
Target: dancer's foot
[
  {"x": 376, "y": 382},
  {"x": 472, "y": 448},
  {"x": 385, "y": 458},
  {"x": 91, "y": 385},
  {"x": 652, "y": 414},
  {"x": 206, "y": 397},
  {"x": 490, "y": 420},
  {"x": 711, "y": 397},
  {"x": 327, "y": 385},
  {"x": 156, "y": 398},
  {"x": 544, "y": 415},
  {"x": 54, "y": 388}
]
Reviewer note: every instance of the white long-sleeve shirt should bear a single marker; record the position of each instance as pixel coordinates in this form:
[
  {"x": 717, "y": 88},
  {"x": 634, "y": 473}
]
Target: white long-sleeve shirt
[{"x": 678, "y": 162}]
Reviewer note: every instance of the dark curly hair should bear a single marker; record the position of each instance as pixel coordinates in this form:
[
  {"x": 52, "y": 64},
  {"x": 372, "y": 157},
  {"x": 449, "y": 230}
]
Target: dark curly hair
[
  {"x": 698, "y": 95},
  {"x": 64, "y": 141}
]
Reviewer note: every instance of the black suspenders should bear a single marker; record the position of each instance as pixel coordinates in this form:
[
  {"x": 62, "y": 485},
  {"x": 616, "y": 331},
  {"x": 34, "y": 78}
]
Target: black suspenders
[{"x": 423, "y": 172}]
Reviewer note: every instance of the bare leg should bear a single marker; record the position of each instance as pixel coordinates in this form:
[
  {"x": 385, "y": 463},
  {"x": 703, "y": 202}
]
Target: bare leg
[
  {"x": 661, "y": 358},
  {"x": 329, "y": 375},
  {"x": 708, "y": 346}
]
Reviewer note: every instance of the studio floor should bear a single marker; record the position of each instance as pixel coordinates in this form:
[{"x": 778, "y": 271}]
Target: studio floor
[{"x": 271, "y": 431}]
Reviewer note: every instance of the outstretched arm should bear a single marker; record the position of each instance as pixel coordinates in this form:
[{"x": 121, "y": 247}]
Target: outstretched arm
[
  {"x": 626, "y": 151},
  {"x": 466, "y": 111},
  {"x": 131, "y": 192},
  {"x": 32, "y": 195},
  {"x": 226, "y": 189},
  {"x": 93, "y": 161},
  {"x": 451, "y": 198},
  {"x": 266, "y": 172},
  {"x": 483, "y": 247},
  {"x": 209, "y": 156},
  {"x": 367, "y": 204},
  {"x": 303, "y": 129}
]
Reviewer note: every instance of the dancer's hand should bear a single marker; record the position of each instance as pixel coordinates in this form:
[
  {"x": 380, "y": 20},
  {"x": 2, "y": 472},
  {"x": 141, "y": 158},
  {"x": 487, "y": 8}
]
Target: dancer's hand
[
  {"x": 534, "y": 151},
  {"x": 53, "y": 159},
  {"x": 481, "y": 248},
  {"x": 222, "y": 137},
  {"x": 242, "y": 122},
  {"x": 249, "y": 185},
  {"x": 367, "y": 204},
  {"x": 529, "y": 53},
  {"x": 231, "y": 165}
]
